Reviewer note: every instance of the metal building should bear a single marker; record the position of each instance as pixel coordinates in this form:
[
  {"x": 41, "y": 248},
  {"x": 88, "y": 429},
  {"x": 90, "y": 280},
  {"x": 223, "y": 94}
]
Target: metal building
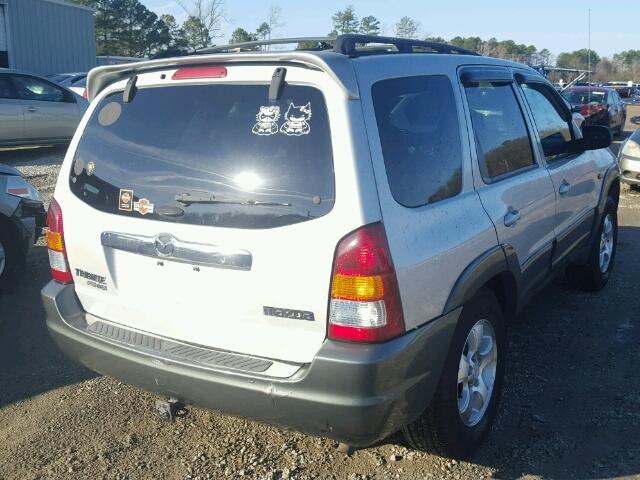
[{"x": 46, "y": 36}]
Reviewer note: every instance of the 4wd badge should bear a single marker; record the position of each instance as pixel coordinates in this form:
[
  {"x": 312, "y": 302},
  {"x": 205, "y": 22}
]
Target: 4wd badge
[{"x": 143, "y": 206}]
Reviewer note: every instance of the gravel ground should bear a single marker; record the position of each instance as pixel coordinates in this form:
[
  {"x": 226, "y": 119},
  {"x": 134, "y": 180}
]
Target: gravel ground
[{"x": 571, "y": 405}]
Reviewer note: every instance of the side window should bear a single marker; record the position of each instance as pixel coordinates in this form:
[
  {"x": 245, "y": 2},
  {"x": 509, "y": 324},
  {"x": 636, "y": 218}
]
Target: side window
[
  {"x": 554, "y": 130},
  {"x": 31, "y": 88},
  {"x": 614, "y": 98},
  {"x": 501, "y": 135},
  {"x": 420, "y": 138},
  {"x": 6, "y": 88}
]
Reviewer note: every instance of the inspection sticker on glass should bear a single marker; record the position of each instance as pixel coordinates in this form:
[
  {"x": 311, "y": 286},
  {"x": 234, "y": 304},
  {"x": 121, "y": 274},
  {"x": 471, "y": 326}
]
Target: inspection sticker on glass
[
  {"x": 143, "y": 206},
  {"x": 126, "y": 200}
]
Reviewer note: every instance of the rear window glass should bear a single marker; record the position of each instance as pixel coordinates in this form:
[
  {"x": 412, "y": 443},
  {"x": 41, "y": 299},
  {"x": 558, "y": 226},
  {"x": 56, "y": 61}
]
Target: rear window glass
[
  {"x": 215, "y": 155},
  {"x": 584, "y": 97},
  {"x": 420, "y": 138}
]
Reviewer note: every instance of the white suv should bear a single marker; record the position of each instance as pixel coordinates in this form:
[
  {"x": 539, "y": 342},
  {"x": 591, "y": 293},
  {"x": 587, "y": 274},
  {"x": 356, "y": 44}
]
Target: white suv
[{"x": 333, "y": 240}]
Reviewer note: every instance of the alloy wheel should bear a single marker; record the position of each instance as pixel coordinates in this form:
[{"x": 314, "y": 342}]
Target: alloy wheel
[
  {"x": 606, "y": 244},
  {"x": 477, "y": 372}
]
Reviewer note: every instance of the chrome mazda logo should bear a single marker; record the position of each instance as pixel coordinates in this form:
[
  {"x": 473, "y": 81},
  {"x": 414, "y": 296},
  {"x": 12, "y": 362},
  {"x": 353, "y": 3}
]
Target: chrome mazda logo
[{"x": 164, "y": 244}]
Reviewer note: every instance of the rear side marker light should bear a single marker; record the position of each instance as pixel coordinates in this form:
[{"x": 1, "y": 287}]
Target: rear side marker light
[
  {"x": 55, "y": 243},
  {"x": 199, "y": 72},
  {"x": 365, "y": 303}
]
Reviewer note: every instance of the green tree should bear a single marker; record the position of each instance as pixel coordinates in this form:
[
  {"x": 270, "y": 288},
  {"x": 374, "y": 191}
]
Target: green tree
[
  {"x": 208, "y": 16},
  {"x": 544, "y": 56},
  {"x": 578, "y": 59},
  {"x": 370, "y": 25},
  {"x": 430, "y": 38},
  {"x": 126, "y": 27},
  {"x": 263, "y": 31},
  {"x": 177, "y": 39},
  {"x": 345, "y": 21},
  {"x": 628, "y": 58},
  {"x": 240, "y": 35},
  {"x": 471, "y": 43},
  {"x": 196, "y": 33},
  {"x": 407, "y": 27}
]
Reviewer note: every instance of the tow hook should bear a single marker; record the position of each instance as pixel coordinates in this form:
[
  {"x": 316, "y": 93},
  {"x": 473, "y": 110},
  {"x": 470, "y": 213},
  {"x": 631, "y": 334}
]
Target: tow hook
[{"x": 169, "y": 409}]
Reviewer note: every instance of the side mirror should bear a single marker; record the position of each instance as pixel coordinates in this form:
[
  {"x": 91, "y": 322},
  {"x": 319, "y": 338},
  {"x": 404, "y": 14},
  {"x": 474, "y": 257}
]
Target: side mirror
[
  {"x": 578, "y": 119},
  {"x": 595, "y": 137}
]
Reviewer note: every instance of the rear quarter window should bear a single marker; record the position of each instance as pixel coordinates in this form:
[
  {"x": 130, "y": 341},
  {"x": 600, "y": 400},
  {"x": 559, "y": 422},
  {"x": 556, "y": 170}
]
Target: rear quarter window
[
  {"x": 420, "y": 138},
  {"x": 212, "y": 155}
]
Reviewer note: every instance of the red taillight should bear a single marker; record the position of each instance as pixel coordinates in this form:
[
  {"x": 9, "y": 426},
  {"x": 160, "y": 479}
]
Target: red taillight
[
  {"x": 588, "y": 110},
  {"x": 199, "y": 72},
  {"x": 365, "y": 301},
  {"x": 85, "y": 93},
  {"x": 55, "y": 243}
]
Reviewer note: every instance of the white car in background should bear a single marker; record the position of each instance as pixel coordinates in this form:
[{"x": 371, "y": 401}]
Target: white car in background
[
  {"x": 76, "y": 82},
  {"x": 629, "y": 158}
]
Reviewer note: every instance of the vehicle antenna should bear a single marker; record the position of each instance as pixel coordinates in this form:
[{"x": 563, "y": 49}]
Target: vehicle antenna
[{"x": 589, "y": 57}]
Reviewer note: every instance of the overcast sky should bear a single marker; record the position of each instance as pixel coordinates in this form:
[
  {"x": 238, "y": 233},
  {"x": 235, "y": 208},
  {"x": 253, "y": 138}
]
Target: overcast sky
[{"x": 559, "y": 25}]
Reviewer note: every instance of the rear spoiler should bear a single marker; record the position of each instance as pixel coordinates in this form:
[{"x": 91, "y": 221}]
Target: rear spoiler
[{"x": 337, "y": 66}]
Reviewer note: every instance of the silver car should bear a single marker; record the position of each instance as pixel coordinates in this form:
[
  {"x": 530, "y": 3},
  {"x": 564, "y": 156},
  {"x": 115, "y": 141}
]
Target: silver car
[
  {"x": 340, "y": 253},
  {"x": 629, "y": 157},
  {"x": 35, "y": 111}
]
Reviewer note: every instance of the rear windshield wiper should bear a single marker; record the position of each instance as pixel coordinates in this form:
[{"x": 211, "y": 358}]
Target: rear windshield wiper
[{"x": 188, "y": 198}]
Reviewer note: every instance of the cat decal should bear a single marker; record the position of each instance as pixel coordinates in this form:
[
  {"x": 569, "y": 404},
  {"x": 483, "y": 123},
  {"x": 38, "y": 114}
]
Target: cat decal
[
  {"x": 297, "y": 118},
  {"x": 267, "y": 121}
]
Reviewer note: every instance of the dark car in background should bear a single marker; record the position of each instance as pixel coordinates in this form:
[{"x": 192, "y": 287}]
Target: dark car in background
[
  {"x": 22, "y": 218},
  {"x": 599, "y": 106},
  {"x": 629, "y": 95}
]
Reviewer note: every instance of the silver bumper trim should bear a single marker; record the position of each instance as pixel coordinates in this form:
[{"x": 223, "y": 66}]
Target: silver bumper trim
[{"x": 167, "y": 247}]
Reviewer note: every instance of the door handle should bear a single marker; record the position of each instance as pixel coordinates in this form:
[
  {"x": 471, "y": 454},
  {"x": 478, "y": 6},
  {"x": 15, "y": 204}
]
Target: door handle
[
  {"x": 32, "y": 109},
  {"x": 564, "y": 188},
  {"x": 512, "y": 217}
]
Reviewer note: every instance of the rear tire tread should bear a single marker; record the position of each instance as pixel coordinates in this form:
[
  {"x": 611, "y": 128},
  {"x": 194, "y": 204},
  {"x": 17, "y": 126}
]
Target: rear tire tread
[
  {"x": 588, "y": 277},
  {"x": 14, "y": 257},
  {"x": 430, "y": 431}
]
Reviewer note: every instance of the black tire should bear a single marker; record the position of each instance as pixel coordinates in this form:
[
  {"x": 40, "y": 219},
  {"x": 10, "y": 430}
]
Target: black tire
[
  {"x": 14, "y": 257},
  {"x": 440, "y": 429},
  {"x": 589, "y": 277}
]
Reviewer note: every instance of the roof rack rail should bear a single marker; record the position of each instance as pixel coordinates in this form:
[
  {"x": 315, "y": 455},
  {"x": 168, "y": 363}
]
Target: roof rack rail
[
  {"x": 260, "y": 43},
  {"x": 348, "y": 44},
  {"x": 351, "y": 44}
]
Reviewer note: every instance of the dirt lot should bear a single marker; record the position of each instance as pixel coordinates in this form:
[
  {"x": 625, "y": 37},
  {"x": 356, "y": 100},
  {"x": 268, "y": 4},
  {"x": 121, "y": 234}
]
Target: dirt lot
[{"x": 571, "y": 406}]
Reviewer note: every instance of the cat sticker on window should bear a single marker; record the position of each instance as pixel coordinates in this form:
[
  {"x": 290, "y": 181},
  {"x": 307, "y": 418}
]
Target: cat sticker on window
[
  {"x": 297, "y": 120},
  {"x": 267, "y": 121}
]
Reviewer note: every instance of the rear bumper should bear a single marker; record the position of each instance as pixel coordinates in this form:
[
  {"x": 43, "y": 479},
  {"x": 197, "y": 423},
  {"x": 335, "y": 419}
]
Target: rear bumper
[{"x": 357, "y": 394}]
